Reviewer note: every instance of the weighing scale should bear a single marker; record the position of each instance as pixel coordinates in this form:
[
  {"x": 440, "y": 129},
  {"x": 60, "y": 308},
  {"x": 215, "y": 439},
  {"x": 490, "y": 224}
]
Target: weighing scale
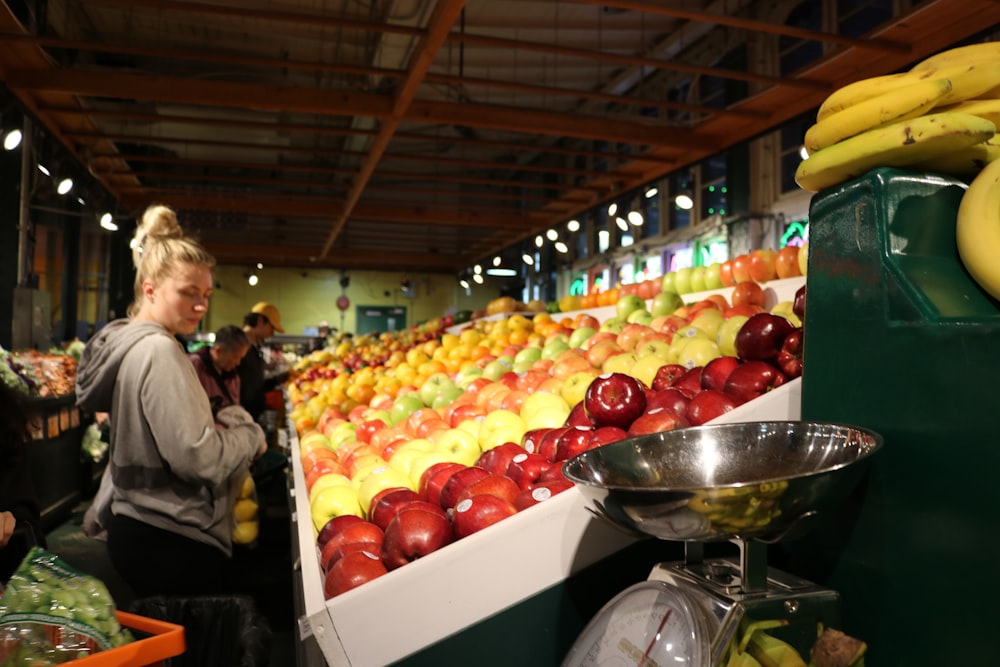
[{"x": 751, "y": 484}]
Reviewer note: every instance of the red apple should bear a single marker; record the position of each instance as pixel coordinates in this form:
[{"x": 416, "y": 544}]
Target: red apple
[
  {"x": 351, "y": 571},
  {"x": 525, "y": 469},
  {"x": 551, "y": 474},
  {"x": 666, "y": 375},
  {"x": 799, "y": 303},
  {"x": 615, "y": 399},
  {"x": 547, "y": 443},
  {"x": 414, "y": 533},
  {"x": 708, "y": 405},
  {"x": 347, "y": 549},
  {"x": 714, "y": 375},
  {"x": 790, "y": 356},
  {"x": 656, "y": 420},
  {"x": 465, "y": 411},
  {"x": 334, "y": 526},
  {"x": 496, "y": 459},
  {"x": 578, "y": 416},
  {"x": 689, "y": 384},
  {"x": 760, "y": 338},
  {"x": 540, "y": 492},
  {"x": 573, "y": 441},
  {"x": 458, "y": 481},
  {"x": 387, "y": 503},
  {"x": 366, "y": 429},
  {"x": 434, "y": 479},
  {"x": 752, "y": 379},
  {"x": 671, "y": 398},
  {"x": 366, "y": 531},
  {"x": 497, "y": 485},
  {"x": 604, "y": 436},
  {"x": 478, "y": 512}
]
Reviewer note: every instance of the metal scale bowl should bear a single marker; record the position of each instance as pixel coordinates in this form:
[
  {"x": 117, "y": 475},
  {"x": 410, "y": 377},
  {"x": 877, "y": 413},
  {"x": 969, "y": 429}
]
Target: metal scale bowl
[{"x": 749, "y": 483}]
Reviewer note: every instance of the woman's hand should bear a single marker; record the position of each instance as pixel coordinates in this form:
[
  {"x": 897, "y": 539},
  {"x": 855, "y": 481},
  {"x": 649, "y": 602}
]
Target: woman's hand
[{"x": 7, "y": 523}]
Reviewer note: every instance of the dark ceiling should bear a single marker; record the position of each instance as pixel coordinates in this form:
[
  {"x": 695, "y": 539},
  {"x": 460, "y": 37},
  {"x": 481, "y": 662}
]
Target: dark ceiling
[{"x": 404, "y": 134}]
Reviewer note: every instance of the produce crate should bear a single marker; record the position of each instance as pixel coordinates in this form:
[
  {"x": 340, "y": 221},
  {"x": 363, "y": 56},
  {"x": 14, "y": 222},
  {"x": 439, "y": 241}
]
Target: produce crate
[
  {"x": 471, "y": 581},
  {"x": 899, "y": 339},
  {"x": 155, "y": 642}
]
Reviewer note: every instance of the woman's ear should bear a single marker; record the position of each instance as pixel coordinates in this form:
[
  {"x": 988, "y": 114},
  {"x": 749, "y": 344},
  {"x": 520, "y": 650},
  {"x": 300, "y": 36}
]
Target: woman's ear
[{"x": 148, "y": 290}]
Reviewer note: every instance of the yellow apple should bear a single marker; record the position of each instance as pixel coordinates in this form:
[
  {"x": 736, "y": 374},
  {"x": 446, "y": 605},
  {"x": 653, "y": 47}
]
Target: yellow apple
[
  {"x": 784, "y": 308},
  {"x": 334, "y": 501},
  {"x": 500, "y": 426},
  {"x": 459, "y": 445},
  {"x": 541, "y": 401},
  {"x": 546, "y": 418},
  {"x": 326, "y": 481},
  {"x": 471, "y": 425},
  {"x": 644, "y": 369},
  {"x": 618, "y": 363},
  {"x": 575, "y": 386},
  {"x": 708, "y": 320},
  {"x": 403, "y": 454},
  {"x": 384, "y": 477},
  {"x": 423, "y": 462}
]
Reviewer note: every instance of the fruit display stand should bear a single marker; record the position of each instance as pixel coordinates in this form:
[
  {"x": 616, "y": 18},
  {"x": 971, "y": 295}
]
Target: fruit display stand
[
  {"x": 535, "y": 577},
  {"x": 54, "y": 456},
  {"x": 902, "y": 341}
]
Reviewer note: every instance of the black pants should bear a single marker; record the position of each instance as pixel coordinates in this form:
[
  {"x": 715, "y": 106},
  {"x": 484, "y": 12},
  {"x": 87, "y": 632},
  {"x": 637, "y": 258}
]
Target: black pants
[{"x": 153, "y": 561}]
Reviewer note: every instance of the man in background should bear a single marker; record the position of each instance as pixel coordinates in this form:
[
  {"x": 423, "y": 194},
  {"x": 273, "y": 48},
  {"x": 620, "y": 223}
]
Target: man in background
[
  {"x": 259, "y": 324},
  {"x": 216, "y": 366}
]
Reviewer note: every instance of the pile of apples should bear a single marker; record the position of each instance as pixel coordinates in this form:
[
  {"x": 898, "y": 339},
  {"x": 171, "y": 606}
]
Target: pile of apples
[{"x": 396, "y": 478}]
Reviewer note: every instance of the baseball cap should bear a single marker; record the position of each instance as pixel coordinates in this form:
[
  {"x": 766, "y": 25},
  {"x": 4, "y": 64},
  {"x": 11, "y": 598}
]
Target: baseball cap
[{"x": 270, "y": 312}]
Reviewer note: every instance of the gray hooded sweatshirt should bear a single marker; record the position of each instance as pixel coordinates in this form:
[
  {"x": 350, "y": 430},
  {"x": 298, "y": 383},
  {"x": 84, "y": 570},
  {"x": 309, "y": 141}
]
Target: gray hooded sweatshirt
[{"x": 171, "y": 467}]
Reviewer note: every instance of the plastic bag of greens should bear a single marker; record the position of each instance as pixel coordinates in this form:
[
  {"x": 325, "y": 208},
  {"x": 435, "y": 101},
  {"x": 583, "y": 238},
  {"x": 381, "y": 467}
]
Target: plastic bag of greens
[{"x": 51, "y": 613}]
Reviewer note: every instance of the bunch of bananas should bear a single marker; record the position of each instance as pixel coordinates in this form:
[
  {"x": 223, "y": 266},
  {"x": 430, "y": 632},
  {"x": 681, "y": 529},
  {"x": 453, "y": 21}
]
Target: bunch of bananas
[
  {"x": 756, "y": 648},
  {"x": 740, "y": 509},
  {"x": 940, "y": 116}
]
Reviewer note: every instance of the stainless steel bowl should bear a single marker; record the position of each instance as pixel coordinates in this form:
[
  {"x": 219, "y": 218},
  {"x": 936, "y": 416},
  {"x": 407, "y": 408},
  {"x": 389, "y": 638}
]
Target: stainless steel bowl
[{"x": 747, "y": 480}]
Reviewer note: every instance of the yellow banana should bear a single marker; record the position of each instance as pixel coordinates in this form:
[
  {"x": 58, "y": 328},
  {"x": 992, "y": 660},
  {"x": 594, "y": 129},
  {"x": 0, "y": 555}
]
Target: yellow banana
[
  {"x": 982, "y": 52},
  {"x": 909, "y": 101},
  {"x": 737, "y": 659},
  {"x": 968, "y": 80},
  {"x": 977, "y": 229},
  {"x": 859, "y": 91},
  {"x": 772, "y": 652},
  {"x": 964, "y": 163},
  {"x": 988, "y": 109},
  {"x": 897, "y": 144}
]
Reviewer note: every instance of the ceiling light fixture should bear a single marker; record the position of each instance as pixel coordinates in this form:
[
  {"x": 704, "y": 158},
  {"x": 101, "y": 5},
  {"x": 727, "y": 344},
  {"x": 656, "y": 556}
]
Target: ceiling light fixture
[
  {"x": 651, "y": 192},
  {"x": 497, "y": 261},
  {"x": 12, "y": 139},
  {"x": 108, "y": 223},
  {"x": 561, "y": 247},
  {"x": 573, "y": 226},
  {"x": 65, "y": 185},
  {"x": 42, "y": 168},
  {"x": 539, "y": 241},
  {"x": 612, "y": 209},
  {"x": 622, "y": 223},
  {"x": 478, "y": 278},
  {"x": 464, "y": 283},
  {"x": 684, "y": 201},
  {"x": 527, "y": 259},
  {"x": 635, "y": 218},
  {"x": 552, "y": 235},
  {"x": 477, "y": 269},
  {"x": 252, "y": 279}
]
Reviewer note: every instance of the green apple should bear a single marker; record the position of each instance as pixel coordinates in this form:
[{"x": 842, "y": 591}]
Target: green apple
[
  {"x": 424, "y": 461},
  {"x": 541, "y": 400},
  {"x": 494, "y": 369},
  {"x": 343, "y": 433},
  {"x": 465, "y": 376},
  {"x": 654, "y": 345},
  {"x": 404, "y": 454},
  {"x": 726, "y": 335},
  {"x": 574, "y": 388},
  {"x": 784, "y": 308},
  {"x": 528, "y": 354},
  {"x": 708, "y": 320},
  {"x": 459, "y": 445},
  {"x": 627, "y": 303},
  {"x": 326, "y": 481},
  {"x": 683, "y": 335},
  {"x": 500, "y": 426},
  {"x": 555, "y": 347},
  {"x": 713, "y": 276},
  {"x": 645, "y": 368},
  {"x": 698, "y": 352},
  {"x": 334, "y": 501},
  {"x": 698, "y": 279},
  {"x": 669, "y": 282},
  {"x": 639, "y": 316},
  {"x": 580, "y": 336},
  {"x": 682, "y": 280},
  {"x": 403, "y": 406},
  {"x": 619, "y": 363},
  {"x": 433, "y": 386},
  {"x": 665, "y": 303},
  {"x": 383, "y": 477},
  {"x": 447, "y": 395},
  {"x": 613, "y": 324}
]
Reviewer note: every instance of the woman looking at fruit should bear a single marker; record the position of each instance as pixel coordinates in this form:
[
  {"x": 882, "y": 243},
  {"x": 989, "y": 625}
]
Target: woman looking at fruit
[{"x": 169, "y": 527}]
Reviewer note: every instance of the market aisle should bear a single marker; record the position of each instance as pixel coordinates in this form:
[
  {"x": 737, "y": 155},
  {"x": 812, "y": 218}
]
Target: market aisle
[{"x": 265, "y": 570}]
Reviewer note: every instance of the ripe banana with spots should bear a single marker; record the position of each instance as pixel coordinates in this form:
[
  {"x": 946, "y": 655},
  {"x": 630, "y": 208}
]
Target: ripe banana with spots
[
  {"x": 906, "y": 102},
  {"x": 963, "y": 163},
  {"x": 973, "y": 53},
  {"x": 968, "y": 80},
  {"x": 977, "y": 229},
  {"x": 898, "y": 144},
  {"x": 860, "y": 91},
  {"x": 988, "y": 109}
]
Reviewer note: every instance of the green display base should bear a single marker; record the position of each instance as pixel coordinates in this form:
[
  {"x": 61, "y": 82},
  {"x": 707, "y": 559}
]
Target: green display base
[{"x": 899, "y": 339}]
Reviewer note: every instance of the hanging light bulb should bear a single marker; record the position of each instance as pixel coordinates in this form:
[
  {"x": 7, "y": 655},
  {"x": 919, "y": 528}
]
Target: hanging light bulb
[
  {"x": 635, "y": 218},
  {"x": 552, "y": 235},
  {"x": 464, "y": 283},
  {"x": 253, "y": 280},
  {"x": 259, "y": 265},
  {"x": 622, "y": 224},
  {"x": 477, "y": 269},
  {"x": 65, "y": 185},
  {"x": 612, "y": 209},
  {"x": 108, "y": 223},
  {"x": 539, "y": 241},
  {"x": 477, "y": 278},
  {"x": 573, "y": 225},
  {"x": 651, "y": 192},
  {"x": 12, "y": 139},
  {"x": 684, "y": 201},
  {"x": 803, "y": 152},
  {"x": 42, "y": 168},
  {"x": 561, "y": 247},
  {"x": 496, "y": 260},
  {"x": 527, "y": 259}
]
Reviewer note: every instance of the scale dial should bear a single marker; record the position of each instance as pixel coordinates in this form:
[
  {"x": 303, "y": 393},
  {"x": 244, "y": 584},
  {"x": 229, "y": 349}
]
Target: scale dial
[{"x": 650, "y": 623}]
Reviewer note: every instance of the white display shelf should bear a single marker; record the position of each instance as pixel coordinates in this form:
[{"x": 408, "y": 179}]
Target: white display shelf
[
  {"x": 431, "y": 599},
  {"x": 775, "y": 291}
]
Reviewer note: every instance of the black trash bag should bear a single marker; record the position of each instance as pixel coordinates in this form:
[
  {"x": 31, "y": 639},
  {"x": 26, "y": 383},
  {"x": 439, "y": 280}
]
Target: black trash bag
[{"x": 220, "y": 630}]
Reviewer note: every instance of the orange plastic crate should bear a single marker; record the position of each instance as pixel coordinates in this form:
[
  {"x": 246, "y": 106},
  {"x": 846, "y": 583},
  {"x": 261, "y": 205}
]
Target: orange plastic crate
[{"x": 165, "y": 640}]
